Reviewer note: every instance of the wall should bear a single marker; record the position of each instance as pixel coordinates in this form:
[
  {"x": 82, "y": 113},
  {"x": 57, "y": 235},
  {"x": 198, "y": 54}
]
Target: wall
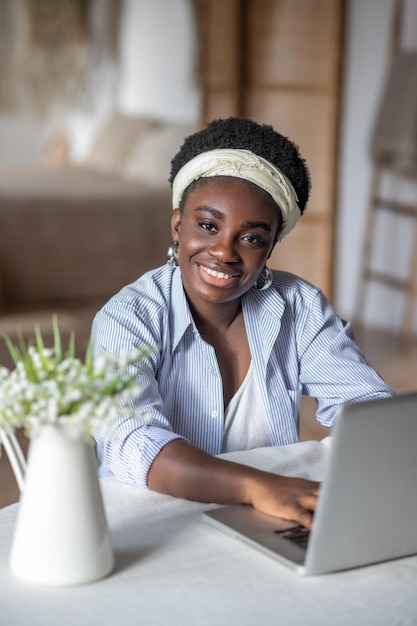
[
  {"x": 158, "y": 76},
  {"x": 366, "y": 55},
  {"x": 171, "y": 56}
]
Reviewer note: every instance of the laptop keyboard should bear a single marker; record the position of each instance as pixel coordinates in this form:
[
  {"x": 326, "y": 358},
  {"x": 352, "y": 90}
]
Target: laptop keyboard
[{"x": 297, "y": 534}]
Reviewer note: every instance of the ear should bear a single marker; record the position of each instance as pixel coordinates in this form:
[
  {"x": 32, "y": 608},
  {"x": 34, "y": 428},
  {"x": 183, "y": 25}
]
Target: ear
[{"x": 175, "y": 224}]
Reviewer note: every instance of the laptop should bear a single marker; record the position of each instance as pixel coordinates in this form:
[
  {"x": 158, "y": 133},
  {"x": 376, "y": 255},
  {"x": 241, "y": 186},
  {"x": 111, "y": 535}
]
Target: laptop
[{"x": 367, "y": 507}]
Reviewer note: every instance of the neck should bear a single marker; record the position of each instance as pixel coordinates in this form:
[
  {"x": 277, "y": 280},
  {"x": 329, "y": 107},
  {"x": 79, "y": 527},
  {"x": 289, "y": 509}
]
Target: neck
[{"x": 216, "y": 318}]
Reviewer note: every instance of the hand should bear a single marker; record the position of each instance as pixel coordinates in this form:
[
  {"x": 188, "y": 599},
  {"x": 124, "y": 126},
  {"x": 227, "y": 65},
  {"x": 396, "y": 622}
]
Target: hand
[
  {"x": 183, "y": 471},
  {"x": 293, "y": 499}
]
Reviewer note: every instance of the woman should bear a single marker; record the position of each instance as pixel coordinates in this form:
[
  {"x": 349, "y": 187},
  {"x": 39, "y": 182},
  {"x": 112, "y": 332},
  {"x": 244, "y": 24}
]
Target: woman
[{"x": 233, "y": 345}]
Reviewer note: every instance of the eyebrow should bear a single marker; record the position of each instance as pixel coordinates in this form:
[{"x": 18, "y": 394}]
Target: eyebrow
[
  {"x": 219, "y": 215},
  {"x": 250, "y": 224}
]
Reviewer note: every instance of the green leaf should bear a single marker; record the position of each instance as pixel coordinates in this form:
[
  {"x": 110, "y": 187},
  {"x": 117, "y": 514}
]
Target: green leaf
[
  {"x": 25, "y": 358},
  {"x": 89, "y": 359},
  {"x": 70, "y": 354},
  {"x": 13, "y": 350},
  {"x": 41, "y": 348},
  {"x": 39, "y": 340},
  {"x": 22, "y": 345},
  {"x": 57, "y": 339}
]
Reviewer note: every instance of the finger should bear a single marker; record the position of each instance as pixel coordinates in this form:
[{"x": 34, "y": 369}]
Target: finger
[
  {"x": 308, "y": 502},
  {"x": 305, "y": 508},
  {"x": 314, "y": 489},
  {"x": 305, "y": 518},
  {"x": 297, "y": 514}
]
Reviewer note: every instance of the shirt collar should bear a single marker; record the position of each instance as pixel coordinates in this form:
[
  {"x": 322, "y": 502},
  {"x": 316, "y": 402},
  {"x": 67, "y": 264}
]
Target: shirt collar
[
  {"x": 256, "y": 304},
  {"x": 268, "y": 302},
  {"x": 181, "y": 317}
]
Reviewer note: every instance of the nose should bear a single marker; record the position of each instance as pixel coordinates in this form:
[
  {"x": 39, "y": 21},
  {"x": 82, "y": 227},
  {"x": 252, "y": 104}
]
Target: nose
[{"x": 224, "y": 249}]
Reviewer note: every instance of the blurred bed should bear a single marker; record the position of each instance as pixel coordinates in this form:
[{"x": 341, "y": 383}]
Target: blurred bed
[{"x": 71, "y": 236}]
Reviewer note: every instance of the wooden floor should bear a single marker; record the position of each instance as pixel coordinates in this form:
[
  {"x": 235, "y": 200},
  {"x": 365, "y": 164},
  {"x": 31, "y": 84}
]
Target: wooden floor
[{"x": 398, "y": 368}]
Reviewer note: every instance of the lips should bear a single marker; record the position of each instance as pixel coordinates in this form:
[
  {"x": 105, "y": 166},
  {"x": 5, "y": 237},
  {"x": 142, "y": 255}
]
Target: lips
[{"x": 217, "y": 274}]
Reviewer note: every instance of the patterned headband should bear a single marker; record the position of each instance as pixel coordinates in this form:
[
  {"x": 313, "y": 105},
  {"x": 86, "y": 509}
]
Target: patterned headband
[{"x": 248, "y": 166}]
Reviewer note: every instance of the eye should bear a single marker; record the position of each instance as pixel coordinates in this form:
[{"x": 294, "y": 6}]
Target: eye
[
  {"x": 256, "y": 240},
  {"x": 207, "y": 225}
]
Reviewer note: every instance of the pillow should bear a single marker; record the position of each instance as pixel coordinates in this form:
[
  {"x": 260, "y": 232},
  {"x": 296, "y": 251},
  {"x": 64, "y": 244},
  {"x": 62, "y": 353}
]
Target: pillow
[
  {"x": 115, "y": 141},
  {"x": 149, "y": 161}
]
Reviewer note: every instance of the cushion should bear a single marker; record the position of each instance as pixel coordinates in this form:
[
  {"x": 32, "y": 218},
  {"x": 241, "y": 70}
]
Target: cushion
[
  {"x": 115, "y": 141},
  {"x": 150, "y": 158}
]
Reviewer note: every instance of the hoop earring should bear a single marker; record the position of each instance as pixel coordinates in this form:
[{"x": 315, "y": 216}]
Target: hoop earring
[
  {"x": 172, "y": 254},
  {"x": 266, "y": 279}
]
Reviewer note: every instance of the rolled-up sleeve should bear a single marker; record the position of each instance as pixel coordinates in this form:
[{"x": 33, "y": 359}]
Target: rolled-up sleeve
[
  {"x": 333, "y": 369},
  {"x": 130, "y": 445}
]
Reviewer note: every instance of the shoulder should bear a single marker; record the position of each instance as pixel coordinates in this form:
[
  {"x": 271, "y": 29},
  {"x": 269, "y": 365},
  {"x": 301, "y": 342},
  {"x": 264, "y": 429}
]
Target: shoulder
[
  {"x": 292, "y": 287},
  {"x": 147, "y": 298},
  {"x": 138, "y": 313},
  {"x": 152, "y": 289},
  {"x": 307, "y": 306},
  {"x": 290, "y": 300}
]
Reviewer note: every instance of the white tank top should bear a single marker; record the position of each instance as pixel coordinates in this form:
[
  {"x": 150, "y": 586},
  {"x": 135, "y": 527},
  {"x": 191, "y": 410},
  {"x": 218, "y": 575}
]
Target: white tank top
[{"x": 245, "y": 419}]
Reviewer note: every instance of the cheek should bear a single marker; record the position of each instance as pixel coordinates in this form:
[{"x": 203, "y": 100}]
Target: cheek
[
  {"x": 191, "y": 236},
  {"x": 189, "y": 243}
]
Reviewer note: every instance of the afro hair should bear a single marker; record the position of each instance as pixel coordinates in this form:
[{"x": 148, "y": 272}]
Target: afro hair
[{"x": 261, "y": 139}]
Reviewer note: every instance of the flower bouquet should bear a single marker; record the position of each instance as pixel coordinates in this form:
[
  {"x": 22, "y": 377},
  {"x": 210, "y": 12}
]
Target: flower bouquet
[
  {"x": 60, "y": 401},
  {"x": 50, "y": 385}
]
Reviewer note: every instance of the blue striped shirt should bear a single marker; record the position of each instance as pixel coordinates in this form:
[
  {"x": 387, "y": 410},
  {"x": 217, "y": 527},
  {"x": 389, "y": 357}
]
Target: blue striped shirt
[{"x": 298, "y": 346}]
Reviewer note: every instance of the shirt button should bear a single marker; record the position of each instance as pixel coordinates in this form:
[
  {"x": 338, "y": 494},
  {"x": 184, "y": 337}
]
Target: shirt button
[{"x": 214, "y": 414}]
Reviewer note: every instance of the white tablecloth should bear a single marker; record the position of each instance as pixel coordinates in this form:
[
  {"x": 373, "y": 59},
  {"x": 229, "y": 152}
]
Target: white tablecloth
[{"x": 171, "y": 569}]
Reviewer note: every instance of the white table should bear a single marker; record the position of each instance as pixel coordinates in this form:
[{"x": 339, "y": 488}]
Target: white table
[{"x": 171, "y": 569}]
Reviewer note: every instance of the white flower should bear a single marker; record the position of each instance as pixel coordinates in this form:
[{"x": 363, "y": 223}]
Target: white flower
[{"x": 47, "y": 386}]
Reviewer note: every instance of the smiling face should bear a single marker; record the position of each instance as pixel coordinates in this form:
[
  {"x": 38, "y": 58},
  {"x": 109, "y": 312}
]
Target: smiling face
[{"x": 226, "y": 232}]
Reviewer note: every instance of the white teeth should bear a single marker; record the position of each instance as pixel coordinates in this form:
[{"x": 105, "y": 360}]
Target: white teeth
[{"x": 216, "y": 274}]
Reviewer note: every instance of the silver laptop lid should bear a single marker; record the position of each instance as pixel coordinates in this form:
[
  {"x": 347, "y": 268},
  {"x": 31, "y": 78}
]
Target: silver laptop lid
[{"x": 367, "y": 508}]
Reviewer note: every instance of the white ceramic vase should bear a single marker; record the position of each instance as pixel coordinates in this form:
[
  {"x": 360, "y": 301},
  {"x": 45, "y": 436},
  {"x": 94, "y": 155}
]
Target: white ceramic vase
[{"x": 61, "y": 535}]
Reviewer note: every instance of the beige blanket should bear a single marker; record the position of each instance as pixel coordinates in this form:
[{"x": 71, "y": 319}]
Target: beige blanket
[{"x": 69, "y": 234}]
